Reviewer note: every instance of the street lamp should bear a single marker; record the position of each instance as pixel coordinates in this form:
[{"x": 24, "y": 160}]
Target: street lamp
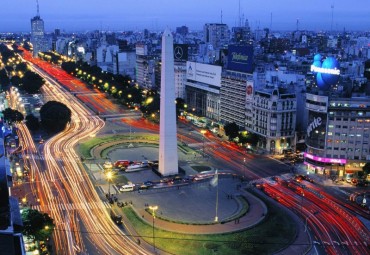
[
  {"x": 109, "y": 177},
  {"x": 244, "y": 159},
  {"x": 203, "y": 132},
  {"x": 153, "y": 208}
]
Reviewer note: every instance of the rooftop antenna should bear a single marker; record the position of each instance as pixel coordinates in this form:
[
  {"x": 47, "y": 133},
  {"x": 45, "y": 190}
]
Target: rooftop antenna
[
  {"x": 297, "y": 24},
  {"x": 38, "y": 11},
  {"x": 240, "y": 22},
  {"x": 332, "y": 17},
  {"x": 221, "y": 16},
  {"x": 271, "y": 22}
]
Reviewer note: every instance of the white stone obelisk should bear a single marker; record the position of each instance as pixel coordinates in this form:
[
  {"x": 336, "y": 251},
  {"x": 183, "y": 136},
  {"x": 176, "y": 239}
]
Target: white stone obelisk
[{"x": 168, "y": 157}]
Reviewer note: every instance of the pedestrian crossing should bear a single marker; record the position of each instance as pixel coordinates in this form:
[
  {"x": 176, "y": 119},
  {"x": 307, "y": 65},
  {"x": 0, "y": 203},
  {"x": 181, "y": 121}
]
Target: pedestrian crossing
[{"x": 72, "y": 206}]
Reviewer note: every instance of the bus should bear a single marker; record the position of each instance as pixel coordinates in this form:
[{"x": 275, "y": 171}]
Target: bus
[{"x": 122, "y": 163}]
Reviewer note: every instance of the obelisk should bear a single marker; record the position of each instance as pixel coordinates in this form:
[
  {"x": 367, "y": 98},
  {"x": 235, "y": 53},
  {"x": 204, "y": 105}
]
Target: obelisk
[{"x": 168, "y": 157}]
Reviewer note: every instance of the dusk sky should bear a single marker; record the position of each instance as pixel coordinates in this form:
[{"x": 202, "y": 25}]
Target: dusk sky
[{"x": 82, "y": 15}]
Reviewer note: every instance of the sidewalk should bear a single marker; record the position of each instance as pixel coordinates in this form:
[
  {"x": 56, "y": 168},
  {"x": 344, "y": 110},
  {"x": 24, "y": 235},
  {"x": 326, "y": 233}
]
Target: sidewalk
[{"x": 256, "y": 213}]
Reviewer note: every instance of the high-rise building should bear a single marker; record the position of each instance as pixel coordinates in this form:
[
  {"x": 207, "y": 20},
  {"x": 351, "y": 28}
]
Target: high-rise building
[
  {"x": 337, "y": 136},
  {"x": 37, "y": 33},
  {"x": 168, "y": 157},
  {"x": 216, "y": 34}
]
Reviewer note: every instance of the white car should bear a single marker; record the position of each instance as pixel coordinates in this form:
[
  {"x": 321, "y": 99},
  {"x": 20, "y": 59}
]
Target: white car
[{"x": 127, "y": 187}]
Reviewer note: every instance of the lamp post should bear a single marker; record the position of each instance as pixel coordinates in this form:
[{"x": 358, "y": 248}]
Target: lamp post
[
  {"x": 153, "y": 208},
  {"x": 244, "y": 159},
  {"x": 203, "y": 132},
  {"x": 109, "y": 177}
]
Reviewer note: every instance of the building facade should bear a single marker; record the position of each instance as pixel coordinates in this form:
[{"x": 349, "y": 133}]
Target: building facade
[
  {"x": 274, "y": 118},
  {"x": 216, "y": 34},
  {"x": 337, "y": 134}
]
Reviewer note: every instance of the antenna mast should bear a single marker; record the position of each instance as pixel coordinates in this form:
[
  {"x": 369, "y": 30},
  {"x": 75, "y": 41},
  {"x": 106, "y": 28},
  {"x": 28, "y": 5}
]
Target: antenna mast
[
  {"x": 221, "y": 16},
  {"x": 332, "y": 17},
  {"x": 38, "y": 11}
]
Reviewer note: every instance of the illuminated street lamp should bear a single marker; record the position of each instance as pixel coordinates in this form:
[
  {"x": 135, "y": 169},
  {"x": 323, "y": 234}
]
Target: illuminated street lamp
[
  {"x": 244, "y": 159},
  {"x": 109, "y": 177},
  {"x": 203, "y": 132},
  {"x": 153, "y": 208}
]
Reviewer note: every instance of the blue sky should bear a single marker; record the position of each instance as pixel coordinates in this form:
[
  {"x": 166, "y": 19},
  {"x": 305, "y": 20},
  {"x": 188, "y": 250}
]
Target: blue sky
[{"x": 81, "y": 15}]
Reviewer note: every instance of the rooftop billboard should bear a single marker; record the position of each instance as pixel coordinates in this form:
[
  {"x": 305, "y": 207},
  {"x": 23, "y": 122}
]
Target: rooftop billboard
[
  {"x": 240, "y": 58},
  {"x": 208, "y": 74}
]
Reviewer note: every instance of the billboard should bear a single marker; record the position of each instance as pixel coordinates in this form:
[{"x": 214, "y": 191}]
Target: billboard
[
  {"x": 316, "y": 129},
  {"x": 180, "y": 52},
  {"x": 249, "y": 90},
  {"x": 240, "y": 58},
  {"x": 208, "y": 74},
  {"x": 326, "y": 71}
]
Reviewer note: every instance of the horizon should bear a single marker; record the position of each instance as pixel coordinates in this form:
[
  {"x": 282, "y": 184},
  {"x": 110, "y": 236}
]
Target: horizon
[{"x": 143, "y": 14}]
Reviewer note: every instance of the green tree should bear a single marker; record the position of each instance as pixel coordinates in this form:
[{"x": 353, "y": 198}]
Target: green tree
[
  {"x": 231, "y": 130},
  {"x": 16, "y": 81},
  {"x": 32, "y": 122},
  {"x": 366, "y": 170},
  {"x": 69, "y": 67},
  {"x": 36, "y": 225},
  {"x": 4, "y": 79},
  {"x": 21, "y": 67},
  {"x": 55, "y": 116},
  {"x": 12, "y": 116},
  {"x": 32, "y": 82}
]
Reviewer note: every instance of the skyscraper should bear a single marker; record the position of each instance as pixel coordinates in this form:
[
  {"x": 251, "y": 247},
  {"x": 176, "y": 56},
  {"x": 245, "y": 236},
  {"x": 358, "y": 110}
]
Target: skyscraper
[
  {"x": 37, "y": 33},
  {"x": 168, "y": 158}
]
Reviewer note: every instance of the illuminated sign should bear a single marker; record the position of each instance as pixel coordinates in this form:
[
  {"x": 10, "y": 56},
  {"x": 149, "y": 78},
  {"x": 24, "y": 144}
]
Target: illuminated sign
[
  {"x": 326, "y": 71},
  {"x": 208, "y": 74},
  {"x": 240, "y": 58},
  {"x": 313, "y": 125},
  {"x": 325, "y": 160}
]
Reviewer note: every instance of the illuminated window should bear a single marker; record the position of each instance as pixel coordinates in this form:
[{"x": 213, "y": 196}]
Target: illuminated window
[{"x": 330, "y": 133}]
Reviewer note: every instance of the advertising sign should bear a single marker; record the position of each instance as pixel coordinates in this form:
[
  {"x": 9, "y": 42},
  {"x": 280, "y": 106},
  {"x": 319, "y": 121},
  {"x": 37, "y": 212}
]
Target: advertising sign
[
  {"x": 325, "y": 160},
  {"x": 240, "y": 58},
  {"x": 316, "y": 129},
  {"x": 326, "y": 71},
  {"x": 180, "y": 52},
  {"x": 249, "y": 90},
  {"x": 208, "y": 74}
]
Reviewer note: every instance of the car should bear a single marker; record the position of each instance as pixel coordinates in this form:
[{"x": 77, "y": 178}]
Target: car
[
  {"x": 107, "y": 165},
  {"x": 149, "y": 183},
  {"x": 143, "y": 187},
  {"x": 127, "y": 187}
]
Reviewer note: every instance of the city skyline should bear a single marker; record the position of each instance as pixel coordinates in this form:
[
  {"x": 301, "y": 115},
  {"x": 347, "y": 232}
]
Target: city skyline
[{"x": 115, "y": 15}]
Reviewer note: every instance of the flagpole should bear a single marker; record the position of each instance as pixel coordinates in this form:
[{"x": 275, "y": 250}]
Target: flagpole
[{"x": 216, "y": 218}]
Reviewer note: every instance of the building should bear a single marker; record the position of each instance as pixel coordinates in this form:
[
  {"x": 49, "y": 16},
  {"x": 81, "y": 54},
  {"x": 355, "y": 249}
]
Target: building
[
  {"x": 183, "y": 30},
  {"x": 216, "y": 34},
  {"x": 202, "y": 89},
  {"x": 38, "y": 40},
  {"x": 11, "y": 239},
  {"x": 273, "y": 118},
  {"x": 145, "y": 67},
  {"x": 337, "y": 134},
  {"x": 237, "y": 85}
]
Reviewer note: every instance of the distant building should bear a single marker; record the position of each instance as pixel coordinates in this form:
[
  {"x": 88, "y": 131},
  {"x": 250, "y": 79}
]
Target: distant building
[
  {"x": 145, "y": 67},
  {"x": 183, "y": 30},
  {"x": 38, "y": 39},
  {"x": 216, "y": 34}
]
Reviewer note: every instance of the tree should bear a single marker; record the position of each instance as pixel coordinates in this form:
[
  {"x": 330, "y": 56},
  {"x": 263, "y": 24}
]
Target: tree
[
  {"x": 21, "y": 67},
  {"x": 11, "y": 115},
  {"x": 4, "y": 79},
  {"x": 366, "y": 170},
  {"x": 69, "y": 67},
  {"x": 231, "y": 130},
  {"x": 55, "y": 116},
  {"x": 32, "y": 82},
  {"x": 32, "y": 122},
  {"x": 179, "y": 105},
  {"x": 16, "y": 81},
  {"x": 36, "y": 225}
]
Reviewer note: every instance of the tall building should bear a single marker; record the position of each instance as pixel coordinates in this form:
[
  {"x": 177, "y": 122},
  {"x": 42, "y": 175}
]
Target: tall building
[
  {"x": 237, "y": 85},
  {"x": 216, "y": 34},
  {"x": 168, "y": 157},
  {"x": 37, "y": 33},
  {"x": 337, "y": 134},
  {"x": 145, "y": 67}
]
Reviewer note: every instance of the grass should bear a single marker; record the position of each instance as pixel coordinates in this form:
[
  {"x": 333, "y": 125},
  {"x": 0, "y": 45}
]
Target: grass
[{"x": 274, "y": 233}]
